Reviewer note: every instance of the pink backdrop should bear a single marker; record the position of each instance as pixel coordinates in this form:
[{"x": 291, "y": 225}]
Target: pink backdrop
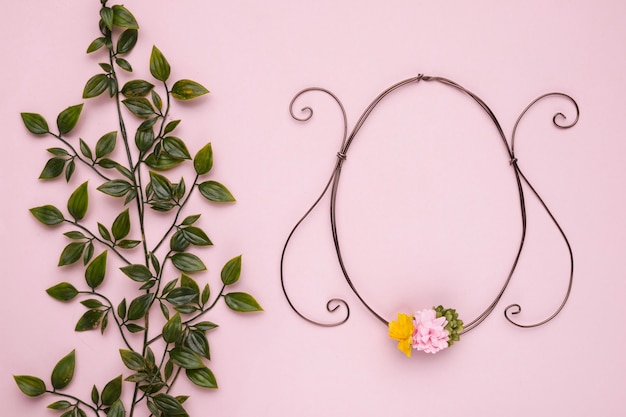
[{"x": 428, "y": 210}]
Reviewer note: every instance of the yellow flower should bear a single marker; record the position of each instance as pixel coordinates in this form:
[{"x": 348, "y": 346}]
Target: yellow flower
[{"x": 402, "y": 331}]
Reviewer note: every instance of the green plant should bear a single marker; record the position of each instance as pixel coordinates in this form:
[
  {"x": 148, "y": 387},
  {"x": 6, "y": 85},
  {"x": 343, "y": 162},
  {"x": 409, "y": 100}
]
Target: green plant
[{"x": 155, "y": 357}]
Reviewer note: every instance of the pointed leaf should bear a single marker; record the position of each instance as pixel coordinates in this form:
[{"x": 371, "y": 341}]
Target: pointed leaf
[
  {"x": 84, "y": 149},
  {"x": 161, "y": 186},
  {"x": 60, "y": 405},
  {"x": 95, "y": 272},
  {"x": 123, "y": 64},
  {"x": 139, "y": 106},
  {"x": 72, "y": 253},
  {"x": 197, "y": 342},
  {"x": 173, "y": 329},
  {"x": 133, "y": 360},
  {"x": 89, "y": 321},
  {"x": 106, "y": 144},
  {"x": 121, "y": 225},
  {"x": 187, "y": 90},
  {"x": 176, "y": 148},
  {"x": 117, "y": 409},
  {"x": 78, "y": 202},
  {"x": 186, "y": 358},
  {"x": 48, "y": 215},
  {"x": 231, "y": 271},
  {"x": 188, "y": 262},
  {"x": 171, "y": 126},
  {"x": 35, "y": 123},
  {"x": 96, "y": 85},
  {"x": 116, "y": 188},
  {"x": 127, "y": 40},
  {"x": 106, "y": 14},
  {"x": 169, "y": 405},
  {"x": 163, "y": 162},
  {"x": 196, "y": 236},
  {"x": 181, "y": 296},
  {"x": 214, "y": 191},
  {"x": 202, "y": 377},
  {"x": 63, "y": 372},
  {"x": 242, "y": 302},
  {"x": 112, "y": 391},
  {"x": 96, "y": 44},
  {"x": 62, "y": 292},
  {"x": 159, "y": 67},
  {"x": 123, "y": 18},
  {"x": 68, "y": 118},
  {"x": 30, "y": 385},
  {"x": 203, "y": 161},
  {"x": 54, "y": 168},
  {"x": 137, "y": 88},
  {"x": 139, "y": 307}
]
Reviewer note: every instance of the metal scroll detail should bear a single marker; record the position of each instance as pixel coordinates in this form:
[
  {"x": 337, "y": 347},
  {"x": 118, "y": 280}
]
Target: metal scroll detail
[{"x": 335, "y": 305}]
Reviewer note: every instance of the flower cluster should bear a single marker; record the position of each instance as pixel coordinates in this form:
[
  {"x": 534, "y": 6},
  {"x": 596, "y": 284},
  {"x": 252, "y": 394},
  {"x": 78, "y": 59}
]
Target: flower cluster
[{"x": 429, "y": 330}]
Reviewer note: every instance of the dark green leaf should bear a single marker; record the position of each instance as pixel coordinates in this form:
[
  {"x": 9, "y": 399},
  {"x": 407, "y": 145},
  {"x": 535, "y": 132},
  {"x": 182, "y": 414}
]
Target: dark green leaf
[
  {"x": 202, "y": 377},
  {"x": 242, "y": 302},
  {"x": 58, "y": 151},
  {"x": 139, "y": 106},
  {"x": 203, "y": 161},
  {"x": 144, "y": 139},
  {"x": 173, "y": 329},
  {"x": 54, "y": 168},
  {"x": 189, "y": 220},
  {"x": 117, "y": 410},
  {"x": 106, "y": 67},
  {"x": 181, "y": 296},
  {"x": 113, "y": 83},
  {"x": 139, "y": 307},
  {"x": 75, "y": 235},
  {"x": 164, "y": 310},
  {"x": 155, "y": 263},
  {"x": 127, "y": 40},
  {"x": 160, "y": 205},
  {"x": 62, "y": 292},
  {"x": 128, "y": 244},
  {"x": 188, "y": 282},
  {"x": 133, "y": 328},
  {"x": 72, "y": 253},
  {"x": 94, "y": 273},
  {"x": 186, "y": 358},
  {"x": 106, "y": 14},
  {"x": 161, "y": 186},
  {"x": 116, "y": 188},
  {"x": 137, "y": 272},
  {"x": 92, "y": 303},
  {"x": 121, "y": 309},
  {"x": 69, "y": 170},
  {"x": 187, "y": 90},
  {"x": 187, "y": 262},
  {"x": 156, "y": 99},
  {"x": 169, "y": 405},
  {"x": 30, "y": 385},
  {"x": 196, "y": 236},
  {"x": 88, "y": 253},
  {"x": 106, "y": 144},
  {"x": 107, "y": 163},
  {"x": 104, "y": 232},
  {"x": 178, "y": 243},
  {"x": 95, "y": 396},
  {"x": 169, "y": 286},
  {"x": 231, "y": 271},
  {"x": 171, "y": 126},
  {"x": 95, "y": 45},
  {"x": 68, "y": 118},
  {"x": 159, "y": 67},
  {"x": 89, "y": 321},
  {"x": 60, "y": 405},
  {"x": 124, "y": 64},
  {"x": 84, "y": 149},
  {"x": 132, "y": 360},
  {"x": 206, "y": 293},
  {"x": 176, "y": 148},
  {"x": 186, "y": 309},
  {"x": 203, "y": 326},
  {"x": 197, "y": 342},
  {"x": 35, "y": 123},
  {"x": 137, "y": 88},
  {"x": 163, "y": 162},
  {"x": 123, "y": 18},
  {"x": 63, "y": 371},
  {"x": 112, "y": 391},
  {"x": 95, "y": 86},
  {"x": 121, "y": 225},
  {"x": 48, "y": 215},
  {"x": 78, "y": 202},
  {"x": 214, "y": 191}
]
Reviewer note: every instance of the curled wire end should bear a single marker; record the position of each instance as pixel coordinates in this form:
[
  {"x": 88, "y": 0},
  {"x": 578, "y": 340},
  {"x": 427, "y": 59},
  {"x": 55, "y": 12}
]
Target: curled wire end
[
  {"x": 333, "y": 305},
  {"x": 307, "y": 110},
  {"x": 561, "y": 116}
]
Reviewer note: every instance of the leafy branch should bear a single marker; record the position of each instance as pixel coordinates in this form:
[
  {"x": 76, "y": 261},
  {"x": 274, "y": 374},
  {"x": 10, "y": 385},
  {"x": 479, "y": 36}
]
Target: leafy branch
[{"x": 181, "y": 344}]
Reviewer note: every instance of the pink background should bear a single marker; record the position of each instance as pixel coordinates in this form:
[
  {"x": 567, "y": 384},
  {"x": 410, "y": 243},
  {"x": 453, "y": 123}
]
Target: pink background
[{"x": 427, "y": 210}]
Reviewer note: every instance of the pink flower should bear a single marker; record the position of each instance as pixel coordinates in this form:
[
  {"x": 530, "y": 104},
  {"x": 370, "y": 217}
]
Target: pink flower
[{"x": 430, "y": 334}]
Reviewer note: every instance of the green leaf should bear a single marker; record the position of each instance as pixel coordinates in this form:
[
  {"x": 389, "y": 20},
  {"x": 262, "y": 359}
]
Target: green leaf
[
  {"x": 104, "y": 232},
  {"x": 196, "y": 236},
  {"x": 88, "y": 253},
  {"x": 175, "y": 147},
  {"x": 163, "y": 162},
  {"x": 35, "y": 123},
  {"x": 187, "y": 262},
  {"x": 144, "y": 139},
  {"x": 121, "y": 309},
  {"x": 206, "y": 293},
  {"x": 137, "y": 272},
  {"x": 189, "y": 220},
  {"x": 139, "y": 307},
  {"x": 128, "y": 244},
  {"x": 186, "y": 358},
  {"x": 156, "y": 99},
  {"x": 68, "y": 118},
  {"x": 95, "y": 396},
  {"x": 96, "y": 44},
  {"x": 60, "y": 405},
  {"x": 48, "y": 215},
  {"x": 123, "y": 18},
  {"x": 197, "y": 342},
  {"x": 95, "y": 272},
  {"x": 63, "y": 371},
  {"x": 173, "y": 329},
  {"x": 178, "y": 243},
  {"x": 84, "y": 149},
  {"x": 121, "y": 225},
  {"x": 78, "y": 202},
  {"x": 187, "y": 90},
  {"x": 62, "y": 292},
  {"x": 54, "y": 168},
  {"x": 89, "y": 321},
  {"x": 161, "y": 186},
  {"x": 132, "y": 360},
  {"x": 117, "y": 410},
  {"x": 95, "y": 86},
  {"x": 116, "y": 188},
  {"x": 106, "y": 144},
  {"x": 159, "y": 67},
  {"x": 169, "y": 405},
  {"x": 214, "y": 191},
  {"x": 242, "y": 302},
  {"x": 30, "y": 385},
  {"x": 203, "y": 161},
  {"x": 72, "y": 253},
  {"x": 58, "y": 151},
  {"x": 171, "y": 126},
  {"x": 139, "y": 106},
  {"x": 205, "y": 325},
  {"x": 69, "y": 170},
  {"x": 202, "y": 377},
  {"x": 137, "y": 88},
  {"x": 92, "y": 303},
  {"x": 112, "y": 391},
  {"x": 127, "y": 40},
  {"x": 106, "y": 14},
  {"x": 123, "y": 64},
  {"x": 106, "y": 67},
  {"x": 181, "y": 296},
  {"x": 231, "y": 271}
]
